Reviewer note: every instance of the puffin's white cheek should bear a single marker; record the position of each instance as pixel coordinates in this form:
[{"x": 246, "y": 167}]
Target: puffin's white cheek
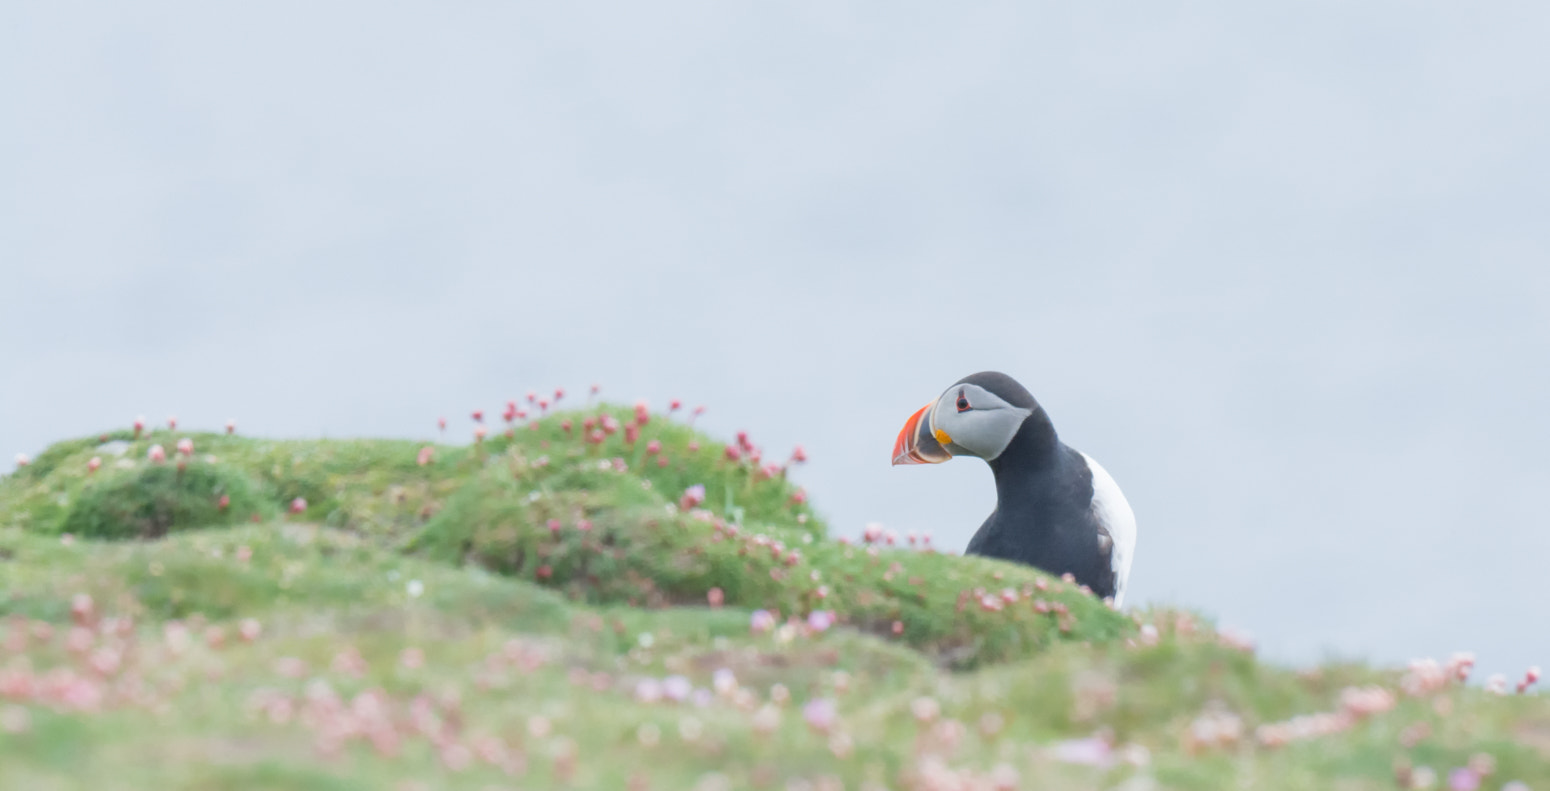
[{"x": 994, "y": 431}]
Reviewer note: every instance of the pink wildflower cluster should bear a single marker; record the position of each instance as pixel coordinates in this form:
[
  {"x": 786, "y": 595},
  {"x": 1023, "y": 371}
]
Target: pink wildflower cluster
[
  {"x": 939, "y": 740},
  {"x": 1469, "y": 777},
  {"x": 1302, "y": 727},
  {"x": 1356, "y": 703},
  {"x": 745, "y": 452},
  {"x": 1529, "y": 678},
  {"x": 874, "y": 536},
  {"x": 1216, "y": 727},
  {"x": 104, "y": 664},
  {"x": 1425, "y": 677},
  {"x": 692, "y": 497},
  {"x": 1235, "y": 639},
  {"x": 674, "y": 689},
  {"x": 386, "y": 723}
]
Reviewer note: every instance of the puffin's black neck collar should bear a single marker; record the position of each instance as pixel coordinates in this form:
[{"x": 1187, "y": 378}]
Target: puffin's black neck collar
[{"x": 1033, "y": 449}]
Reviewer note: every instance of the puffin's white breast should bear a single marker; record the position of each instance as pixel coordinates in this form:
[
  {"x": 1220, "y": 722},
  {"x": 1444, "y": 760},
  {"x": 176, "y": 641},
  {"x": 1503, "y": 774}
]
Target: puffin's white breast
[{"x": 1112, "y": 511}]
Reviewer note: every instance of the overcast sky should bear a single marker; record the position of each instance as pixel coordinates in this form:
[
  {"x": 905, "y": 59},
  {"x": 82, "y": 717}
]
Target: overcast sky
[{"x": 1285, "y": 273}]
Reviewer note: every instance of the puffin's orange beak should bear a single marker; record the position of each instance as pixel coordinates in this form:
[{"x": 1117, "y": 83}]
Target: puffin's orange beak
[{"x": 916, "y": 445}]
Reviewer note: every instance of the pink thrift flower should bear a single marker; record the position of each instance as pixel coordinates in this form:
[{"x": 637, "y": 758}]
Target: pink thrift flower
[
  {"x": 290, "y": 667},
  {"x": 925, "y": 709},
  {"x": 631, "y": 433},
  {"x": 1460, "y": 665},
  {"x": 441, "y": 423},
  {"x": 350, "y": 662},
  {"x": 81, "y": 608},
  {"x": 478, "y": 415},
  {"x": 799, "y": 455},
  {"x": 820, "y": 620},
  {"x": 648, "y": 690},
  {"x": 425, "y": 456},
  {"x": 673, "y": 407},
  {"x": 677, "y": 688},
  {"x": 715, "y": 596},
  {"x": 231, "y": 427},
  {"x": 455, "y": 756},
  {"x": 1086, "y": 752},
  {"x": 559, "y": 393},
  {"x": 1529, "y": 677},
  {"x": 93, "y": 465},
  {"x": 249, "y": 630},
  {"x": 157, "y": 454},
  {"x": 642, "y": 413},
  {"x": 139, "y": 426},
  {"x": 654, "y": 447},
  {"x": 172, "y": 423},
  {"x": 22, "y": 460},
  {"x": 583, "y": 525},
  {"x": 565, "y": 425},
  {"x": 873, "y": 533},
  {"x": 733, "y": 454},
  {"x": 186, "y": 447},
  {"x": 692, "y": 497},
  {"x": 224, "y": 502},
  {"x": 761, "y": 621},
  {"x": 610, "y": 425},
  {"x": 298, "y": 505},
  {"x": 724, "y": 680},
  {"x": 1463, "y": 779},
  {"x": 820, "y": 714}
]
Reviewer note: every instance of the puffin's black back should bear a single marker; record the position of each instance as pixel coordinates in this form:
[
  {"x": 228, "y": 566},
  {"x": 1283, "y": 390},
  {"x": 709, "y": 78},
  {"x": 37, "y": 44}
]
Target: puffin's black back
[{"x": 1044, "y": 494}]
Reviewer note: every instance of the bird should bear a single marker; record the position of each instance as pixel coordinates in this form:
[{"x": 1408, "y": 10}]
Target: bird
[{"x": 1056, "y": 508}]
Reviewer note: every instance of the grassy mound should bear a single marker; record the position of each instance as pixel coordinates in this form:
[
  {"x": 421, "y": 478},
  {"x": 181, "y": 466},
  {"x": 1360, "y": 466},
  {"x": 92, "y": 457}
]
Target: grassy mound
[
  {"x": 153, "y": 500},
  {"x": 581, "y": 604},
  {"x": 590, "y": 503},
  {"x": 604, "y": 536}
]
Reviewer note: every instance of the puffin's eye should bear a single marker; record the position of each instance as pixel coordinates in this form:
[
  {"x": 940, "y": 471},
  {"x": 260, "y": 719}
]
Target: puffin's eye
[{"x": 963, "y": 404}]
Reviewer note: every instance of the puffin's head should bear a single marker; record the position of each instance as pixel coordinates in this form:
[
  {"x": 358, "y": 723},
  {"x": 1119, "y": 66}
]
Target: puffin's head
[{"x": 978, "y": 416}]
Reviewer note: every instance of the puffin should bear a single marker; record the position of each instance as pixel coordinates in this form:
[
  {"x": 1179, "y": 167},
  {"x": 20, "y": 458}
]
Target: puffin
[{"x": 1056, "y": 508}]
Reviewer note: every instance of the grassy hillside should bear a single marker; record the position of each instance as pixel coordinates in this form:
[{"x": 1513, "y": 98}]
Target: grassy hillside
[{"x": 606, "y": 598}]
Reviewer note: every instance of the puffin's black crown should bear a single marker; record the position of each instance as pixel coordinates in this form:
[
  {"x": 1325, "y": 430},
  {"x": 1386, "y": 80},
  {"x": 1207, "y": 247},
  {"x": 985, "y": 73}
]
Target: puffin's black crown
[{"x": 1005, "y": 387}]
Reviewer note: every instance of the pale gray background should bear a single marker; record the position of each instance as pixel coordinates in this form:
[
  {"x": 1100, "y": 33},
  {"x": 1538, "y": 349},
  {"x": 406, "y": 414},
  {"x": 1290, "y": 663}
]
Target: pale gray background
[{"x": 1283, "y": 271}]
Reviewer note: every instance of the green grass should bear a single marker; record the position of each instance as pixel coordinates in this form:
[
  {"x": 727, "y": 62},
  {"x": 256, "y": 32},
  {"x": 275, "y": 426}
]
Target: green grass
[{"x": 441, "y": 594}]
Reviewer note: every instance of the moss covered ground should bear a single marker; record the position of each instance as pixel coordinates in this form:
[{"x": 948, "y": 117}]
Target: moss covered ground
[{"x": 607, "y": 598}]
